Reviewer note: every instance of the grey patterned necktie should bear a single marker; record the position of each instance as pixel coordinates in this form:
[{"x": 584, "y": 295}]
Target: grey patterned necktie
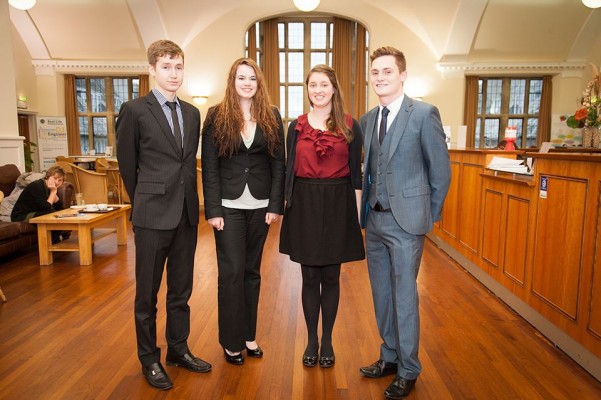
[{"x": 176, "y": 129}]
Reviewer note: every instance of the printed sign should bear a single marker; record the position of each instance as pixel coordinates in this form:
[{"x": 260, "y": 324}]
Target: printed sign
[
  {"x": 544, "y": 181},
  {"x": 52, "y": 140}
]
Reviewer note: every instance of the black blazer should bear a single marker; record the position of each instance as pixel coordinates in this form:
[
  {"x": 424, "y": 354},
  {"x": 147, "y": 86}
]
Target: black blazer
[
  {"x": 226, "y": 177},
  {"x": 157, "y": 176}
]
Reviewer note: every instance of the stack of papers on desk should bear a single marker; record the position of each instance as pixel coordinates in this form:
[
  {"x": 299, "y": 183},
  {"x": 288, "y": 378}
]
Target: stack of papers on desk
[{"x": 508, "y": 165}]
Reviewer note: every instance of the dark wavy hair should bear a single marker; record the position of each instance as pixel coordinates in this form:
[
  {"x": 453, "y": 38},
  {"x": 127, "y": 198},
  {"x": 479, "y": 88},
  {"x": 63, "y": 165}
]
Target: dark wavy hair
[{"x": 229, "y": 119}]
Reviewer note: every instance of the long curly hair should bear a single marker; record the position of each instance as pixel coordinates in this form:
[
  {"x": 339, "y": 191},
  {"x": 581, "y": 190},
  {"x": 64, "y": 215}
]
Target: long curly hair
[
  {"x": 229, "y": 119},
  {"x": 336, "y": 123}
]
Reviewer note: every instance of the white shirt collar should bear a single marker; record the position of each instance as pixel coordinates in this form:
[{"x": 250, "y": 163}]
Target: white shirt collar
[{"x": 394, "y": 107}]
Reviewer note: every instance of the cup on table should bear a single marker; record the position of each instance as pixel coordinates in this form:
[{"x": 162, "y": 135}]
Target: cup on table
[
  {"x": 102, "y": 206},
  {"x": 79, "y": 199},
  {"x": 91, "y": 207}
]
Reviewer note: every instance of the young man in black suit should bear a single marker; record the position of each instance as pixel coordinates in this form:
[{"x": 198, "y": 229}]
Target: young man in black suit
[{"x": 157, "y": 140}]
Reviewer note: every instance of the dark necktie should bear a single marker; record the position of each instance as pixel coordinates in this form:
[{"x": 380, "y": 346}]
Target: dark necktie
[
  {"x": 383, "y": 123},
  {"x": 176, "y": 129}
]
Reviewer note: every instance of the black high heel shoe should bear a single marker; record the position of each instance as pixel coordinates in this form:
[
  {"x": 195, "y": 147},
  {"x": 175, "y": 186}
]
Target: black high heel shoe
[
  {"x": 236, "y": 359},
  {"x": 256, "y": 353}
]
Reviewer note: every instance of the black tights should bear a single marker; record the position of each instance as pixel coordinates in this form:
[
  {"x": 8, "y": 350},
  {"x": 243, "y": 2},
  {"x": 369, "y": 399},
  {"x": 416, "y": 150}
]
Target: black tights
[{"x": 321, "y": 289}]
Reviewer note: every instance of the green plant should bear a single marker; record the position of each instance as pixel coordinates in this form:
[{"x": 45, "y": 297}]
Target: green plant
[{"x": 29, "y": 149}]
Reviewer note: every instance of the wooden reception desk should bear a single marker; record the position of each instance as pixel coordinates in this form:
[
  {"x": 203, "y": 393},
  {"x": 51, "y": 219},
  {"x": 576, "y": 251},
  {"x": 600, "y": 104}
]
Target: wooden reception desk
[{"x": 535, "y": 241}]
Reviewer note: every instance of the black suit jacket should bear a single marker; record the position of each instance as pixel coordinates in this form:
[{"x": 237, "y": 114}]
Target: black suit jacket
[
  {"x": 157, "y": 176},
  {"x": 225, "y": 177}
]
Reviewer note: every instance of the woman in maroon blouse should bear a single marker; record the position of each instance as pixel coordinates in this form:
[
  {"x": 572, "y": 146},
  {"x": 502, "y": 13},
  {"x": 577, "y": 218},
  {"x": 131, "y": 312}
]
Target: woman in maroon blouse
[{"x": 321, "y": 229}]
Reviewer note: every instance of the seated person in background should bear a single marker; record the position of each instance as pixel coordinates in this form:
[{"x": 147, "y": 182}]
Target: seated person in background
[
  {"x": 503, "y": 143},
  {"x": 40, "y": 197}
]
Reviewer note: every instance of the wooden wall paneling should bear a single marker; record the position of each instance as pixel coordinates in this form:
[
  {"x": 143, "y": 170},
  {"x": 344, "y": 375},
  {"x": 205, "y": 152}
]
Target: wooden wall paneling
[
  {"x": 515, "y": 248},
  {"x": 594, "y": 312},
  {"x": 558, "y": 244},
  {"x": 492, "y": 228},
  {"x": 450, "y": 212},
  {"x": 470, "y": 194}
]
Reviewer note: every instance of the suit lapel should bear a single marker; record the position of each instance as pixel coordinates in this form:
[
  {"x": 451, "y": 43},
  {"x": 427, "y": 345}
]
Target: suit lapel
[
  {"x": 370, "y": 129},
  {"x": 399, "y": 124},
  {"x": 159, "y": 115},
  {"x": 188, "y": 123}
]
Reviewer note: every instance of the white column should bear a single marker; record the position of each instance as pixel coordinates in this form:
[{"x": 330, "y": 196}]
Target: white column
[{"x": 9, "y": 126}]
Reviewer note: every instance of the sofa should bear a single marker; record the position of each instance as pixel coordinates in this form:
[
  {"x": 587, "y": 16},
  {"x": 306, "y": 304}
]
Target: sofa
[{"x": 16, "y": 236}]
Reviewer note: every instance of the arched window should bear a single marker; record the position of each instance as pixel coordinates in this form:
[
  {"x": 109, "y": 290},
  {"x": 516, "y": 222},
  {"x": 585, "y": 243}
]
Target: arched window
[{"x": 286, "y": 48}]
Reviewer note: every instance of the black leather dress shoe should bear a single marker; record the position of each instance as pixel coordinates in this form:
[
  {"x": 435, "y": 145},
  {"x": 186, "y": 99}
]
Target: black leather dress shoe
[
  {"x": 237, "y": 359},
  {"x": 256, "y": 353},
  {"x": 309, "y": 361},
  {"x": 189, "y": 361},
  {"x": 399, "y": 388},
  {"x": 327, "y": 362},
  {"x": 379, "y": 369},
  {"x": 157, "y": 377}
]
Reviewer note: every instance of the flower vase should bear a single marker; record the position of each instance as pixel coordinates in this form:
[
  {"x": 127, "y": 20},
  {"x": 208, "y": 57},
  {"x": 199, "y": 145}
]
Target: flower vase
[
  {"x": 587, "y": 136},
  {"x": 596, "y": 141}
]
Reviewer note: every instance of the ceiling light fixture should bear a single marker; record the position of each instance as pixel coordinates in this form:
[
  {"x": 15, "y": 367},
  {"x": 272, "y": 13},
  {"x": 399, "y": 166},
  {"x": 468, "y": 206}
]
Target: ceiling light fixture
[
  {"x": 307, "y": 5},
  {"x": 22, "y": 4},
  {"x": 592, "y": 3}
]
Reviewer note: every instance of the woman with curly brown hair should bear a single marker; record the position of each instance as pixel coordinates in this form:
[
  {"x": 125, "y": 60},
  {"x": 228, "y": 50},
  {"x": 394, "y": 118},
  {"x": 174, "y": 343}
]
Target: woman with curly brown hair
[{"x": 243, "y": 183}]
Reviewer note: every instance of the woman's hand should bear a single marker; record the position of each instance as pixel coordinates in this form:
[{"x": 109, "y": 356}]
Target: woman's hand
[
  {"x": 216, "y": 223},
  {"x": 271, "y": 217},
  {"x": 51, "y": 183}
]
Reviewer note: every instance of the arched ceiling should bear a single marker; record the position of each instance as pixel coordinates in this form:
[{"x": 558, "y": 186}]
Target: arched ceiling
[{"x": 453, "y": 30}]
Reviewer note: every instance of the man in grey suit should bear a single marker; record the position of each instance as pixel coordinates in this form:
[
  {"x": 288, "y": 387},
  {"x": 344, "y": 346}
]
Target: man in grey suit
[
  {"x": 157, "y": 140},
  {"x": 407, "y": 176}
]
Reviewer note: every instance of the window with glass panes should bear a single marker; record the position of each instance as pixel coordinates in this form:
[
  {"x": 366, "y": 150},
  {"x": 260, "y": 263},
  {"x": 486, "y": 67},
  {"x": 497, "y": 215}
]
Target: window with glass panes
[
  {"x": 504, "y": 102},
  {"x": 98, "y": 102},
  {"x": 302, "y": 45}
]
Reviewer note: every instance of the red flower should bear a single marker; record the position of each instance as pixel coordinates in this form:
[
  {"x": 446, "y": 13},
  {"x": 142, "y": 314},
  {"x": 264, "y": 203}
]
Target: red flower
[{"x": 581, "y": 114}]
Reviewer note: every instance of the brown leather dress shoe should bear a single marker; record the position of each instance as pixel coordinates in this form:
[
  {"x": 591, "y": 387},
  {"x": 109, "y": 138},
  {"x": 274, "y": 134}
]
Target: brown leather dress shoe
[
  {"x": 399, "y": 388},
  {"x": 157, "y": 377},
  {"x": 379, "y": 369},
  {"x": 189, "y": 361}
]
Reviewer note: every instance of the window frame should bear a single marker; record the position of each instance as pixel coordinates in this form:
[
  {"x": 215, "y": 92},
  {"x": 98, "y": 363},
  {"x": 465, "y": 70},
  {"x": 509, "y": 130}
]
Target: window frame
[
  {"x": 110, "y": 113},
  {"x": 503, "y": 117}
]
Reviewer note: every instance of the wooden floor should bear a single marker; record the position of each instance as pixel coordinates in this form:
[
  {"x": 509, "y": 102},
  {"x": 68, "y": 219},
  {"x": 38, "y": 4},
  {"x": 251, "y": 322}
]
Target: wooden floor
[{"x": 67, "y": 332}]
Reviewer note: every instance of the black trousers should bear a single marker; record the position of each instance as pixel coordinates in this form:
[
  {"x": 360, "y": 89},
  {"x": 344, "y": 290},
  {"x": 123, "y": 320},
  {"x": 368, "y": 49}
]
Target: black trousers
[
  {"x": 153, "y": 248},
  {"x": 239, "y": 251}
]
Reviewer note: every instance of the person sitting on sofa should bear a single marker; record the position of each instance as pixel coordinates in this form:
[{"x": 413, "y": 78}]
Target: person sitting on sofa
[{"x": 40, "y": 197}]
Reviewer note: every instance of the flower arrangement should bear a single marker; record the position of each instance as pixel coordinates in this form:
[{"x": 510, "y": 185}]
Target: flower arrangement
[{"x": 589, "y": 114}]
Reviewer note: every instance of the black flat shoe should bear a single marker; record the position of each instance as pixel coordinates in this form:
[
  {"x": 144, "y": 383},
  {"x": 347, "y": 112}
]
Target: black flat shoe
[
  {"x": 256, "y": 353},
  {"x": 157, "y": 377},
  {"x": 237, "y": 359},
  {"x": 309, "y": 361},
  {"x": 327, "y": 362}
]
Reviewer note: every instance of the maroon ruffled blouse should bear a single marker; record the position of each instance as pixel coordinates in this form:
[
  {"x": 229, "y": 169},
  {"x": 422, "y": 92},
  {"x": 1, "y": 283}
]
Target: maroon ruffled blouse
[{"x": 320, "y": 154}]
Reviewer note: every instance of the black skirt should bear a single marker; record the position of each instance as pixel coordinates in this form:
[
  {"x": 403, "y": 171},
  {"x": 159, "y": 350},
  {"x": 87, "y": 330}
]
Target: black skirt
[{"x": 321, "y": 227}]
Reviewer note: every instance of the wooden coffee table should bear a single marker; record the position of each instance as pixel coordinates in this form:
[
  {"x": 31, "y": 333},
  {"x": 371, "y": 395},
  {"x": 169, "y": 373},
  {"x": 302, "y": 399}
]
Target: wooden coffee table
[{"x": 89, "y": 227}]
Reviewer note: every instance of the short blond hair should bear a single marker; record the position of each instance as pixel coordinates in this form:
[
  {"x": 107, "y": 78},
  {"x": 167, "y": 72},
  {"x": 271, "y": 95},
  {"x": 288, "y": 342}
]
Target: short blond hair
[{"x": 55, "y": 169}]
